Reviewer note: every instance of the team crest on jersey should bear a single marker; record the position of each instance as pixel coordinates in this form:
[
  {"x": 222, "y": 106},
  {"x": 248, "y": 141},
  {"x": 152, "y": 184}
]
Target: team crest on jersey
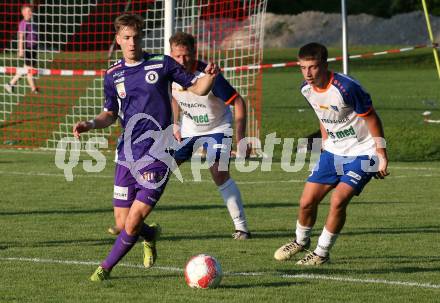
[
  {"x": 120, "y": 88},
  {"x": 335, "y": 108},
  {"x": 151, "y": 77}
]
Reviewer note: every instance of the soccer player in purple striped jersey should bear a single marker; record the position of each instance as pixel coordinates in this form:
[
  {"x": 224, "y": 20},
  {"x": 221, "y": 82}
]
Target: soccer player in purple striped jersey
[
  {"x": 136, "y": 90},
  {"x": 353, "y": 152}
]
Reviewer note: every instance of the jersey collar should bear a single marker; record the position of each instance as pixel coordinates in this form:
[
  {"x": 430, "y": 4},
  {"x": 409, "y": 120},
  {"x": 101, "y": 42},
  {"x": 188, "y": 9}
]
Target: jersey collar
[{"x": 322, "y": 90}]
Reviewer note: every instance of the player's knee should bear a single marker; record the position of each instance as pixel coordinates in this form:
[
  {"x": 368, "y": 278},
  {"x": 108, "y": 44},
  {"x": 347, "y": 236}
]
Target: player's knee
[
  {"x": 132, "y": 225},
  {"x": 120, "y": 224},
  {"x": 338, "y": 205},
  {"x": 307, "y": 204},
  {"x": 220, "y": 177},
  {"x": 131, "y": 229}
]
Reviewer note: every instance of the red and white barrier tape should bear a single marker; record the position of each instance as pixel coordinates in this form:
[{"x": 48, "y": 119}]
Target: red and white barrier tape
[
  {"x": 95, "y": 73},
  {"x": 366, "y": 55},
  {"x": 52, "y": 72}
]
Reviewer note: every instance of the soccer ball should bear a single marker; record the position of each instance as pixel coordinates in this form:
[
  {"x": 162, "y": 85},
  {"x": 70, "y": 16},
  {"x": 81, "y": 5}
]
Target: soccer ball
[{"x": 203, "y": 271}]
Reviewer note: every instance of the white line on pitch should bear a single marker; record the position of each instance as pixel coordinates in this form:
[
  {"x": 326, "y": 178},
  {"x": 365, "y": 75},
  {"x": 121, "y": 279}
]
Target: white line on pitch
[
  {"x": 43, "y": 151},
  {"x": 12, "y": 173},
  {"x": 256, "y": 274},
  {"x": 101, "y": 176},
  {"x": 413, "y": 168}
]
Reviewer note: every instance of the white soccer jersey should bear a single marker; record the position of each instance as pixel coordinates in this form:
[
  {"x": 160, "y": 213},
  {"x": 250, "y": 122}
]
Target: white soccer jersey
[
  {"x": 339, "y": 108},
  {"x": 203, "y": 115}
]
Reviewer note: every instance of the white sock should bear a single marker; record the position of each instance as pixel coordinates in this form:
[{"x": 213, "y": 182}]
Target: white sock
[
  {"x": 302, "y": 234},
  {"x": 232, "y": 198},
  {"x": 325, "y": 243}
]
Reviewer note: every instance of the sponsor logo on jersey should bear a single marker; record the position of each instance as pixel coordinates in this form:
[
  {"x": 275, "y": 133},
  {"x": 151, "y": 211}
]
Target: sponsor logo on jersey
[
  {"x": 335, "y": 121},
  {"x": 187, "y": 114},
  {"x": 154, "y": 66},
  {"x": 113, "y": 68},
  {"x": 342, "y": 133},
  {"x": 354, "y": 175},
  {"x": 319, "y": 106},
  {"x": 346, "y": 133},
  {"x": 191, "y": 105},
  {"x": 120, "y": 88},
  {"x": 120, "y": 192},
  {"x": 307, "y": 91},
  {"x": 151, "y": 77},
  {"x": 118, "y": 74},
  {"x": 120, "y": 80},
  {"x": 201, "y": 119}
]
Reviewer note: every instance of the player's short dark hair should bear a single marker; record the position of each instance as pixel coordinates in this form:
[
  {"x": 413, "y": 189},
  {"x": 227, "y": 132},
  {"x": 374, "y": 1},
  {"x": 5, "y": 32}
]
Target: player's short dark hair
[
  {"x": 129, "y": 20},
  {"x": 313, "y": 51},
  {"x": 183, "y": 39}
]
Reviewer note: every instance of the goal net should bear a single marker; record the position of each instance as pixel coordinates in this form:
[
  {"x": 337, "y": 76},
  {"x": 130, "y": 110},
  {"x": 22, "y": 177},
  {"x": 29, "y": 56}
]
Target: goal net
[{"x": 76, "y": 44}]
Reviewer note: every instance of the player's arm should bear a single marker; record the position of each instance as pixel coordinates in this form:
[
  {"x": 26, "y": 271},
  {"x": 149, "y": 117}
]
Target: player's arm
[
  {"x": 376, "y": 129},
  {"x": 103, "y": 120},
  {"x": 176, "y": 119},
  {"x": 20, "y": 44},
  {"x": 240, "y": 115},
  {"x": 202, "y": 86}
]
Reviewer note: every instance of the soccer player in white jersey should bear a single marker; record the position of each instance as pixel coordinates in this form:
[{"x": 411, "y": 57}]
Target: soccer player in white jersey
[
  {"x": 209, "y": 118},
  {"x": 353, "y": 151}
]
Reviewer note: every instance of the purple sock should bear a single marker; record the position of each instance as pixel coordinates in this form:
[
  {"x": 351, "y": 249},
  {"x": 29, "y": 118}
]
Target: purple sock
[
  {"x": 122, "y": 246},
  {"x": 146, "y": 232}
]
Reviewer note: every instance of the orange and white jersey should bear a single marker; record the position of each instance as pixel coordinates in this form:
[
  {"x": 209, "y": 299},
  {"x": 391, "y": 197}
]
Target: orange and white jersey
[
  {"x": 340, "y": 107},
  {"x": 203, "y": 115}
]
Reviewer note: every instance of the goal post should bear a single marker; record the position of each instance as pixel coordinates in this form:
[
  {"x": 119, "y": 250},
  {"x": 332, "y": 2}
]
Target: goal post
[{"x": 76, "y": 43}]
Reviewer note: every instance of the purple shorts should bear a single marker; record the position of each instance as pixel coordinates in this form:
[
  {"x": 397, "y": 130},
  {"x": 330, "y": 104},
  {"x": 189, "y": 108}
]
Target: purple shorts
[{"x": 145, "y": 185}]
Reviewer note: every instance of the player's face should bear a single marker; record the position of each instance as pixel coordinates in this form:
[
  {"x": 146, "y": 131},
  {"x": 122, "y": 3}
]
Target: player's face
[
  {"x": 313, "y": 71},
  {"x": 27, "y": 13},
  {"x": 130, "y": 42},
  {"x": 183, "y": 56}
]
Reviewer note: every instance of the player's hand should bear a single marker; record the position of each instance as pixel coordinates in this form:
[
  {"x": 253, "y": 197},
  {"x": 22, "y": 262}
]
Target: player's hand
[
  {"x": 81, "y": 127},
  {"x": 212, "y": 69},
  {"x": 382, "y": 171},
  {"x": 176, "y": 132}
]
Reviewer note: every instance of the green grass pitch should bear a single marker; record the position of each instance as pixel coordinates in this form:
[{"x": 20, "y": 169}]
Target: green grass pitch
[
  {"x": 53, "y": 232},
  {"x": 51, "y": 229}
]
